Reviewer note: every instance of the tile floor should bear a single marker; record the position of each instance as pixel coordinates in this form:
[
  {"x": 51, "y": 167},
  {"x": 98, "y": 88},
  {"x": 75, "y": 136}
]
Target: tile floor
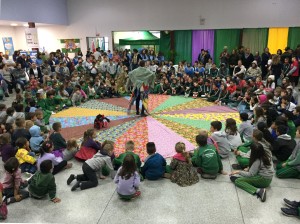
[{"x": 209, "y": 201}]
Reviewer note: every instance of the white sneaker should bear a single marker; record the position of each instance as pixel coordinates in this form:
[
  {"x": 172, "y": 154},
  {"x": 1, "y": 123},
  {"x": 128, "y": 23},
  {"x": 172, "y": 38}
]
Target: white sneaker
[{"x": 52, "y": 112}]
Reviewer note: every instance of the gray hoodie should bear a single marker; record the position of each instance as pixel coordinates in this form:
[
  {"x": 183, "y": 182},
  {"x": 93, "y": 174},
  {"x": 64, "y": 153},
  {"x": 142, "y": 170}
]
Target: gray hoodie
[
  {"x": 220, "y": 138},
  {"x": 294, "y": 159},
  {"x": 258, "y": 168}
]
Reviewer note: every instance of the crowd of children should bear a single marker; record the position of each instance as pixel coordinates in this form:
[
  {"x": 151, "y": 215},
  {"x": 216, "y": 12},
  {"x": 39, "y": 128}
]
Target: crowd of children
[{"x": 263, "y": 92}]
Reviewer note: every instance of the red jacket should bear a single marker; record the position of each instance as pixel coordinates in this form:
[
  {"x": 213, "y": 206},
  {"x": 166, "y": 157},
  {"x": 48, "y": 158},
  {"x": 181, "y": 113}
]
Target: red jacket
[
  {"x": 295, "y": 64},
  {"x": 231, "y": 89}
]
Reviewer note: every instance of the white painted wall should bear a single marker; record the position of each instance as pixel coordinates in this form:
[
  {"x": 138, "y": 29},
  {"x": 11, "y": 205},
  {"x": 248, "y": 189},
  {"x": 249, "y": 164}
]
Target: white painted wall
[{"x": 104, "y": 16}]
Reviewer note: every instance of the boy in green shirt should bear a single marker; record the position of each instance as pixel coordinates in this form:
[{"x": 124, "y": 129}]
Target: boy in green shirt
[
  {"x": 129, "y": 147},
  {"x": 42, "y": 183},
  {"x": 207, "y": 159}
]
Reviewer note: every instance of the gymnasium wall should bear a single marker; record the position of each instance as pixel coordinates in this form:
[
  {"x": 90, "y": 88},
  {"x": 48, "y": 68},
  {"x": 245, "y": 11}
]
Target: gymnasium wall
[{"x": 85, "y": 18}]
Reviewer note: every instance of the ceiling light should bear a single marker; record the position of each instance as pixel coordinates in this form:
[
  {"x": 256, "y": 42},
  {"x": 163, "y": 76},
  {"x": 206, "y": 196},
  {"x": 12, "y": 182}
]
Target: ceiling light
[
  {"x": 14, "y": 24},
  {"x": 26, "y": 25}
]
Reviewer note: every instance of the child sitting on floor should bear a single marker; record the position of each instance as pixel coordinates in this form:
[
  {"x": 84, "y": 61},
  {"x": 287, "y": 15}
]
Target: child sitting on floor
[
  {"x": 36, "y": 138},
  {"x": 13, "y": 181},
  {"x": 207, "y": 159},
  {"x": 25, "y": 158},
  {"x": 7, "y": 150},
  {"x": 91, "y": 168},
  {"x": 259, "y": 175},
  {"x": 46, "y": 154},
  {"x": 57, "y": 139},
  {"x": 128, "y": 179},
  {"x": 129, "y": 147},
  {"x": 89, "y": 145},
  {"x": 71, "y": 150},
  {"x": 220, "y": 138},
  {"x": 243, "y": 152},
  {"x": 233, "y": 136},
  {"x": 245, "y": 128},
  {"x": 182, "y": 171},
  {"x": 291, "y": 167},
  {"x": 154, "y": 165},
  {"x": 43, "y": 183},
  {"x": 20, "y": 131}
]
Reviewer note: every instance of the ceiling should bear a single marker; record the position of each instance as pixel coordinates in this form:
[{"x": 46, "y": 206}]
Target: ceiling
[{"x": 19, "y": 23}]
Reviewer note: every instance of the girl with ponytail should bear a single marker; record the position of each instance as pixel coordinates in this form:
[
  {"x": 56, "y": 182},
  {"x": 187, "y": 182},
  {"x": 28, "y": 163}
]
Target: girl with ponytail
[
  {"x": 182, "y": 169},
  {"x": 46, "y": 154}
]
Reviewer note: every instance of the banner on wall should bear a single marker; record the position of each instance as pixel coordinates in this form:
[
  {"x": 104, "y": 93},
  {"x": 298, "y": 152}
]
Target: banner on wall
[
  {"x": 70, "y": 45},
  {"x": 8, "y": 45},
  {"x": 31, "y": 53},
  {"x": 32, "y": 38}
]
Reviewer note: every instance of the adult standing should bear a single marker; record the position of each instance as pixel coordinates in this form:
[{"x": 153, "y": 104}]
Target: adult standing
[
  {"x": 233, "y": 61},
  {"x": 247, "y": 58},
  {"x": 142, "y": 80},
  {"x": 276, "y": 69},
  {"x": 224, "y": 56},
  {"x": 264, "y": 62}
]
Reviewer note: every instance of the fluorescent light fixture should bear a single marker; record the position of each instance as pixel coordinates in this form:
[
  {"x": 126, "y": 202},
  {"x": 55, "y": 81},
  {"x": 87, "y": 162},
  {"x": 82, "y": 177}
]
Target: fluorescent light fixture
[
  {"x": 14, "y": 24},
  {"x": 26, "y": 25}
]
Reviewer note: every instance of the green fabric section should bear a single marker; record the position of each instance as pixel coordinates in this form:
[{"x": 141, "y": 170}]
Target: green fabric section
[
  {"x": 294, "y": 37},
  {"x": 199, "y": 124},
  {"x": 183, "y": 45},
  {"x": 229, "y": 38},
  {"x": 165, "y": 44},
  {"x": 172, "y": 101},
  {"x": 255, "y": 39}
]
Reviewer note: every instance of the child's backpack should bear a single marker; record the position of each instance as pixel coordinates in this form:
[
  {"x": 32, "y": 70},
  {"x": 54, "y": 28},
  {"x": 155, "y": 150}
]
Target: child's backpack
[
  {"x": 101, "y": 122},
  {"x": 3, "y": 211}
]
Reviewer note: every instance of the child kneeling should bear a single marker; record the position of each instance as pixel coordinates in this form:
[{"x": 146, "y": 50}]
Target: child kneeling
[
  {"x": 207, "y": 159},
  {"x": 128, "y": 179},
  {"x": 43, "y": 183},
  {"x": 93, "y": 166}
]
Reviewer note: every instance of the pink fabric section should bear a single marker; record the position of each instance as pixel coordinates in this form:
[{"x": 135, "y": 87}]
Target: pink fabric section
[{"x": 165, "y": 139}]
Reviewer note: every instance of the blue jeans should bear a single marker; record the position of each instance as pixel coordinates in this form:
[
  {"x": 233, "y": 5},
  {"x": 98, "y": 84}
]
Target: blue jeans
[{"x": 22, "y": 83}]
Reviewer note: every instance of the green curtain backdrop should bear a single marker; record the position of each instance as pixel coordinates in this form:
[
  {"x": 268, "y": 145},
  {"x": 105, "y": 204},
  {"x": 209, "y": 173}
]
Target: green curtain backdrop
[
  {"x": 294, "y": 37},
  {"x": 226, "y": 37},
  {"x": 165, "y": 43},
  {"x": 183, "y": 45},
  {"x": 255, "y": 39}
]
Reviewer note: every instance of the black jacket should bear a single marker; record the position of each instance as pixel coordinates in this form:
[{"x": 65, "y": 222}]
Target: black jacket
[{"x": 283, "y": 147}]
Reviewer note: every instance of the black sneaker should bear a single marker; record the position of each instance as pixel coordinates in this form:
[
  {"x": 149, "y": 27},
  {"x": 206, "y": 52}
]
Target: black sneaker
[
  {"x": 77, "y": 185},
  {"x": 291, "y": 204},
  {"x": 144, "y": 115},
  {"x": 70, "y": 179},
  {"x": 236, "y": 167},
  {"x": 6, "y": 95},
  {"x": 290, "y": 212},
  {"x": 208, "y": 176},
  {"x": 262, "y": 194},
  {"x": 233, "y": 178}
]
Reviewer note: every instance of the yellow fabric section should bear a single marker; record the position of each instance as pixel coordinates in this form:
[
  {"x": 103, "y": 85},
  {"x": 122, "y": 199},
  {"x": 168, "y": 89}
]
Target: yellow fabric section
[
  {"x": 81, "y": 112},
  {"x": 277, "y": 39},
  {"x": 207, "y": 116}
]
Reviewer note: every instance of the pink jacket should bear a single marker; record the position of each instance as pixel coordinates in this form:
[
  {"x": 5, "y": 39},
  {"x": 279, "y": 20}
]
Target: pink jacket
[{"x": 12, "y": 180}]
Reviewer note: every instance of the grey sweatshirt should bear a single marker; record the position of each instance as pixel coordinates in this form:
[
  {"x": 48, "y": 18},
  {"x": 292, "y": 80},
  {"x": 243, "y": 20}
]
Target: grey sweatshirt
[
  {"x": 220, "y": 138},
  {"x": 267, "y": 148},
  {"x": 258, "y": 168},
  {"x": 246, "y": 130},
  {"x": 99, "y": 161},
  {"x": 294, "y": 159}
]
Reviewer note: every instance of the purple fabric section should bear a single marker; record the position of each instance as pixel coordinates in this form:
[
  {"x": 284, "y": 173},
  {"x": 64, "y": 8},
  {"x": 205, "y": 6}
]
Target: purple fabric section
[
  {"x": 202, "y": 39},
  {"x": 209, "y": 109}
]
